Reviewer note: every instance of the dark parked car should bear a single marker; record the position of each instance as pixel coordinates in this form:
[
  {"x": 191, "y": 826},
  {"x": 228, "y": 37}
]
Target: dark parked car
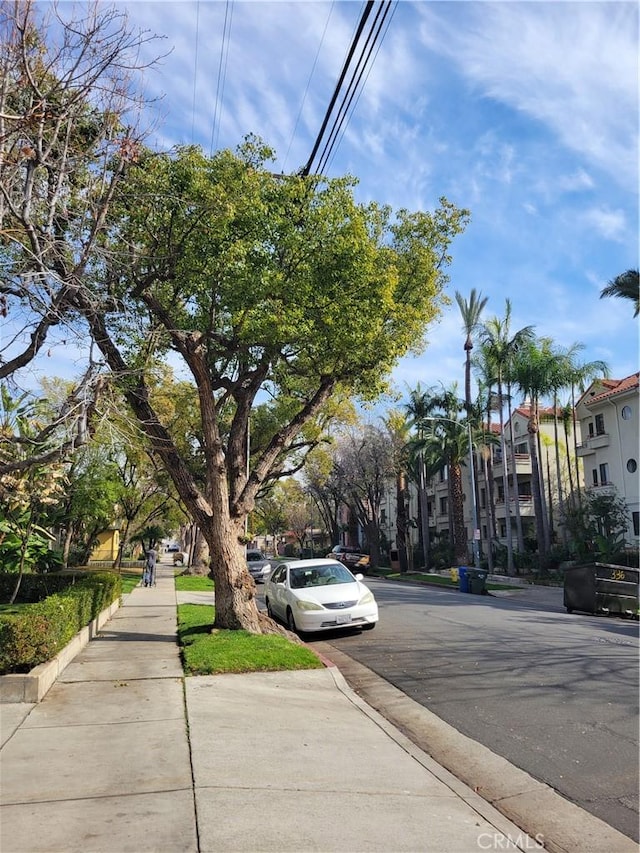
[
  {"x": 352, "y": 558},
  {"x": 259, "y": 566}
]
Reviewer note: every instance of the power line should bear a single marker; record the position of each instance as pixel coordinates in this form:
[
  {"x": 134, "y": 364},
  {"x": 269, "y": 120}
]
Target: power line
[
  {"x": 222, "y": 73},
  {"x": 354, "y": 90},
  {"x": 364, "y": 59},
  {"x": 306, "y": 91},
  {"x": 195, "y": 71}
]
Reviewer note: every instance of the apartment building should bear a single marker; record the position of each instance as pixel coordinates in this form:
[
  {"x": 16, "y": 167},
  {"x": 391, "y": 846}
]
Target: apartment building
[
  {"x": 518, "y": 512},
  {"x": 610, "y": 448}
]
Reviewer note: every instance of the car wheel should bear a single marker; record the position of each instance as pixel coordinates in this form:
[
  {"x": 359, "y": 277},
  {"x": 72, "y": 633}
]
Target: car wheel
[
  {"x": 369, "y": 627},
  {"x": 269, "y": 610},
  {"x": 291, "y": 622}
]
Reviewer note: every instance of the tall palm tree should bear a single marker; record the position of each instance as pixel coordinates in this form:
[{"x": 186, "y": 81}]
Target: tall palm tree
[
  {"x": 487, "y": 404},
  {"x": 421, "y": 404},
  {"x": 444, "y": 443},
  {"x": 470, "y": 311},
  {"x": 534, "y": 370},
  {"x": 501, "y": 347},
  {"x": 625, "y": 286},
  {"x": 398, "y": 431},
  {"x": 562, "y": 378}
]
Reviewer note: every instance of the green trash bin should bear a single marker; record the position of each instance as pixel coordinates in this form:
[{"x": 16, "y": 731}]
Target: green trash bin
[{"x": 477, "y": 579}]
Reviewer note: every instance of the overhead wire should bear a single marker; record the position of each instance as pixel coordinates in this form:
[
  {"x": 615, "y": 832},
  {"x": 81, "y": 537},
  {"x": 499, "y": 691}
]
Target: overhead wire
[
  {"x": 222, "y": 73},
  {"x": 363, "y": 63},
  {"x": 195, "y": 71},
  {"x": 306, "y": 91},
  {"x": 355, "y": 89}
]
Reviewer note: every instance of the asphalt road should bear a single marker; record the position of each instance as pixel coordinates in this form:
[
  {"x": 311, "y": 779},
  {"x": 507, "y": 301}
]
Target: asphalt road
[{"x": 555, "y": 694}]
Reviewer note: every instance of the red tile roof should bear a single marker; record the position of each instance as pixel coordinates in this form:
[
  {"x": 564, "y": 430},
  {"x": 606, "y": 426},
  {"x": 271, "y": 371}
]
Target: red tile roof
[{"x": 611, "y": 387}]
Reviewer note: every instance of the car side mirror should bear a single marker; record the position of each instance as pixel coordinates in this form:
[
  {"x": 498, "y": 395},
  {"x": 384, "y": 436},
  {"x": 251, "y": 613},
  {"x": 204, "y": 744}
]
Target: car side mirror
[{"x": 359, "y": 576}]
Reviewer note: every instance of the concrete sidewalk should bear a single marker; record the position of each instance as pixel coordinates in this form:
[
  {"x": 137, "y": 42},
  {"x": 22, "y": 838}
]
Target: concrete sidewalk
[{"x": 124, "y": 754}]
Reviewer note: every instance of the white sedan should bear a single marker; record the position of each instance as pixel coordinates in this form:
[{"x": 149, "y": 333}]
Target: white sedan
[{"x": 319, "y": 595}]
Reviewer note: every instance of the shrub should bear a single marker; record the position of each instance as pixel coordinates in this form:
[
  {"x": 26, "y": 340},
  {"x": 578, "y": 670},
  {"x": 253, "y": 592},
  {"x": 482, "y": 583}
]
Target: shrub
[{"x": 40, "y": 630}]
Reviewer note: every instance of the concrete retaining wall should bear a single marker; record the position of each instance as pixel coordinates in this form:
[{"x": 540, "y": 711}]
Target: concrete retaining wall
[{"x": 33, "y": 686}]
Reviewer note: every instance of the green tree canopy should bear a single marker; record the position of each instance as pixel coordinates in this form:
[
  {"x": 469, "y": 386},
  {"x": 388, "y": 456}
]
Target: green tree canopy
[{"x": 274, "y": 290}]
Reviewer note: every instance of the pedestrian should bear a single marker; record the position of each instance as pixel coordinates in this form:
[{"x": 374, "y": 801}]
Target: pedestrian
[{"x": 149, "y": 575}]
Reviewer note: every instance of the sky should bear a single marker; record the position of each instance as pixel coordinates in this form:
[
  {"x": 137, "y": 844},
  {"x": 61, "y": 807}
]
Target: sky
[{"x": 526, "y": 113}]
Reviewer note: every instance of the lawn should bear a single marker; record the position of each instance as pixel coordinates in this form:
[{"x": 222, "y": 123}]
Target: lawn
[
  {"x": 442, "y": 580},
  {"x": 130, "y": 580},
  {"x": 193, "y": 583},
  {"x": 209, "y": 653}
]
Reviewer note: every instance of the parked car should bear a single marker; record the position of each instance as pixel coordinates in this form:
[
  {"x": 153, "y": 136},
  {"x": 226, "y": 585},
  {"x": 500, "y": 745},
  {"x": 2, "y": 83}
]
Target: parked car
[
  {"x": 319, "y": 595},
  {"x": 259, "y": 566},
  {"x": 352, "y": 558}
]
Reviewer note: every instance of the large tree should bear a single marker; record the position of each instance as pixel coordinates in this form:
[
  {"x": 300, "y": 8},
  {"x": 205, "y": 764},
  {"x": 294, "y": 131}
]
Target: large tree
[
  {"x": 500, "y": 347},
  {"x": 471, "y": 311},
  {"x": 68, "y": 116},
  {"x": 278, "y": 290}
]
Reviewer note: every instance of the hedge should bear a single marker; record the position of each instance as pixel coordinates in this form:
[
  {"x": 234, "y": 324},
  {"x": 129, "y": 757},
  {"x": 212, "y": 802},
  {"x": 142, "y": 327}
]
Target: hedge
[{"x": 40, "y": 630}]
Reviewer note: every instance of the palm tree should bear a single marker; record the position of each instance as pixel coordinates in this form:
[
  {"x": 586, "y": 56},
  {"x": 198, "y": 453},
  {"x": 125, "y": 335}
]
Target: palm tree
[
  {"x": 563, "y": 377},
  {"x": 486, "y": 406},
  {"x": 422, "y": 403},
  {"x": 444, "y": 444},
  {"x": 470, "y": 311},
  {"x": 625, "y": 286},
  {"x": 534, "y": 371},
  {"x": 500, "y": 348}
]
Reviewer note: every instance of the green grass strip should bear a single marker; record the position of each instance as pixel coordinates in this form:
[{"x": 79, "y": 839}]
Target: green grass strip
[
  {"x": 209, "y": 653},
  {"x": 193, "y": 583}
]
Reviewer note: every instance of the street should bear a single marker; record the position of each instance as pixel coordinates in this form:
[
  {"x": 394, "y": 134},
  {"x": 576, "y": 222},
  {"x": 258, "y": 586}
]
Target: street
[{"x": 555, "y": 694}]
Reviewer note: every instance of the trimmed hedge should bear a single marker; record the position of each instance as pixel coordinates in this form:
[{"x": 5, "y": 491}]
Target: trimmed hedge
[
  {"x": 35, "y": 587},
  {"x": 41, "y": 630}
]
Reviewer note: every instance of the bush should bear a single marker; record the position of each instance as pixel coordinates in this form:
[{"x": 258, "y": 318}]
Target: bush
[{"x": 40, "y": 630}]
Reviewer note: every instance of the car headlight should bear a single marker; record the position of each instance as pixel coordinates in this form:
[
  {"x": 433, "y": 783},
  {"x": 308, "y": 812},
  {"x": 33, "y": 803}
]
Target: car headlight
[
  {"x": 367, "y": 598},
  {"x": 308, "y": 605}
]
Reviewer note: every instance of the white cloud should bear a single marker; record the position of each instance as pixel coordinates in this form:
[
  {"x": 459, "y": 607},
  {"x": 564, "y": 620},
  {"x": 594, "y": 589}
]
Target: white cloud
[
  {"x": 571, "y": 66},
  {"x": 610, "y": 224}
]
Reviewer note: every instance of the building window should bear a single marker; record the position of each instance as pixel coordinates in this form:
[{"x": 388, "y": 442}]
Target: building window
[
  {"x": 626, "y": 413},
  {"x": 383, "y": 516},
  {"x": 599, "y": 424},
  {"x": 594, "y": 475},
  {"x": 604, "y": 474},
  {"x": 632, "y": 466},
  {"x": 483, "y": 498},
  {"x": 636, "y": 523},
  {"x": 443, "y": 506},
  {"x": 591, "y": 430},
  {"x": 523, "y": 448}
]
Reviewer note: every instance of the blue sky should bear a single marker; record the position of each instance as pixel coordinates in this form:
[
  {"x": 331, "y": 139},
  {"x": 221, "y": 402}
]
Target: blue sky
[{"x": 524, "y": 112}]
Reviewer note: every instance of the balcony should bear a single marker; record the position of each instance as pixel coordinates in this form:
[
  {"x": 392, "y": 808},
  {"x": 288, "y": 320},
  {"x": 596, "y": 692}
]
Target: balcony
[
  {"x": 523, "y": 464},
  {"x": 595, "y": 442}
]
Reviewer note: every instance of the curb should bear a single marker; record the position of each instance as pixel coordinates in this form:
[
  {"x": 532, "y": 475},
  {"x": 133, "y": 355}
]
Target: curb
[
  {"x": 31, "y": 687},
  {"x": 549, "y": 820}
]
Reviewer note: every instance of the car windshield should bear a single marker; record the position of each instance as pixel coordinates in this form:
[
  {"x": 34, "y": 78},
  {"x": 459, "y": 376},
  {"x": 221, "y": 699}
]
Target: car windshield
[{"x": 319, "y": 576}]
